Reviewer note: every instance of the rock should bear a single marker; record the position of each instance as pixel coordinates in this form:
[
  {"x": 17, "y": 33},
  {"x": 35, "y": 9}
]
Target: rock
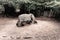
[
  {"x": 18, "y": 37},
  {"x": 27, "y": 37},
  {"x": 4, "y": 36},
  {"x": 11, "y": 37}
]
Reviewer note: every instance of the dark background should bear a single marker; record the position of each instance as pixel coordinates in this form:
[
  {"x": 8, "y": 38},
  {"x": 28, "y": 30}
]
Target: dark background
[{"x": 40, "y": 8}]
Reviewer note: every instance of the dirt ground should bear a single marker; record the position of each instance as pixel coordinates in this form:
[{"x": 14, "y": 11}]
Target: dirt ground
[{"x": 44, "y": 30}]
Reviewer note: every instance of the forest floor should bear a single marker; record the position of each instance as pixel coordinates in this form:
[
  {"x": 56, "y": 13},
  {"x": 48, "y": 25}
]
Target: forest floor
[{"x": 45, "y": 29}]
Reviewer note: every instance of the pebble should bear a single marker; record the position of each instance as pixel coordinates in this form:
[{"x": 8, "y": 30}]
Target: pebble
[
  {"x": 27, "y": 37},
  {"x": 4, "y": 36},
  {"x": 18, "y": 37}
]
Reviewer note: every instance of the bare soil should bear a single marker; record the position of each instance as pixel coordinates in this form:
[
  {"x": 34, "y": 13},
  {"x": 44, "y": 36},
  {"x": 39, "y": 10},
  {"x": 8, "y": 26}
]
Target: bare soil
[{"x": 45, "y": 29}]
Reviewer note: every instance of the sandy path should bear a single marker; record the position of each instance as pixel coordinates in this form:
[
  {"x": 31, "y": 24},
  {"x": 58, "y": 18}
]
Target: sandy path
[{"x": 44, "y": 30}]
